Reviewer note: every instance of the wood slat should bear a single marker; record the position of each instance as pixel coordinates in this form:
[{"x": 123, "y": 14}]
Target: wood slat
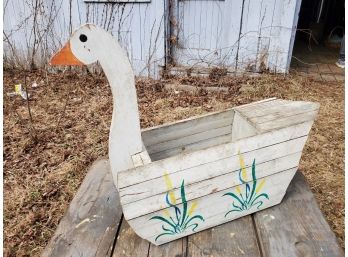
[
  {"x": 174, "y": 130},
  {"x": 90, "y": 224},
  {"x": 241, "y": 128},
  {"x": 190, "y": 139},
  {"x": 233, "y": 239},
  {"x": 152, "y": 203},
  {"x": 287, "y": 121},
  {"x": 283, "y": 107},
  {"x": 192, "y": 159},
  {"x": 176, "y": 248},
  {"x": 128, "y": 244},
  {"x": 260, "y": 105},
  {"x": 213, "y": 209},
  {"x": 218, "y": 175},
  {"x": 296, "y": 227},
  {"x": 197, "y": 146}
]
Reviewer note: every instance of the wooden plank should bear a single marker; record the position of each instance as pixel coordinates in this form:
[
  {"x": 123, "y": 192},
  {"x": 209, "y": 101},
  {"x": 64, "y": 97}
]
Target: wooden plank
[
  {"x": 228, "y": 177},
  {"x": 193, "y": 192},
  {"x": 89, "y": 226},
  {"x": 284, "y": 108},
  {"x": 190, "y": 139},
  {"x": 246, "y": 106},
  {"x": 188, "y": 160},
  {"x": 137, "y": 161},
  {"x": 174, "y": 130},
  {"x": 296, "y": 227},
  {"x": 241, "y": 128},
  {"x": 214, "y": 208},
  {"x": 176, "y": 248},
  {"x": 145, "y": 157},
  {"x": 287, "y": 121},
  {"x": 128, "y": 244},
  {"x": 282, "y": 115},
  {"x": 232, "y": 239},
  {"x": 197, "y": 146}
]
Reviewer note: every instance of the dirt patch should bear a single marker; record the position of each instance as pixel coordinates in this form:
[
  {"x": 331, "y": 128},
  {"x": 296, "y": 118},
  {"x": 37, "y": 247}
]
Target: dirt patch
[{"x": 45, "y": 160}]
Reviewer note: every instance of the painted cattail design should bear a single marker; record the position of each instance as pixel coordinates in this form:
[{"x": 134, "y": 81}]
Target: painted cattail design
[
  {"x": 177, "y": 219},
  {"x": 249, "y": 196}
]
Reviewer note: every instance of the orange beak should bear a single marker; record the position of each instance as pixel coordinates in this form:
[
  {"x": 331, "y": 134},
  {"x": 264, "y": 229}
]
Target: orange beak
[{"x": 65, "y": 57}]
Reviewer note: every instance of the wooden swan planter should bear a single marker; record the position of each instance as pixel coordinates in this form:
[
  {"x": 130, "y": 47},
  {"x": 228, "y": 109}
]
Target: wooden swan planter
[{"x": 187, "y": 176}]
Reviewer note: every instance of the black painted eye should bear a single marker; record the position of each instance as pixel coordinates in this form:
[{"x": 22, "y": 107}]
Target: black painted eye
[{"x": 83, "y": 38}]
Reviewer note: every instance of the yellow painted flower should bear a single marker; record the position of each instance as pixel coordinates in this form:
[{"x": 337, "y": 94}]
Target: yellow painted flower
[
  {"x": 166, "y": 213},
  {"x": 169, "y": 188},
  {"x": 260, "y": 186},
  {"x": 242, "y": 166},
  {"x": 238, "y": 189},
  {"x": 192, "y": 208}
]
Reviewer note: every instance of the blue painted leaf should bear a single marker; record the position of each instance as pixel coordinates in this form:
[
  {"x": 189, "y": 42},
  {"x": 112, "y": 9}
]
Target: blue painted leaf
[
  {"x": 235, "y": 197},
  {"x": 184, "y": 202},
  {"x": 166, "y": 233},
  {"x": 164, "y": 220}
]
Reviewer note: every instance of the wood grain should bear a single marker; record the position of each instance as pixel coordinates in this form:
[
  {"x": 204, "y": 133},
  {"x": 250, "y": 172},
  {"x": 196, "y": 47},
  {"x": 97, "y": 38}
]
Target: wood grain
[
  {"x": 237, "y": 238},
  {"x": 128, "y": 244},
  {"x": 192, "y": 159},
  {"x": 296, "y": 227},
  {"x": 176, "y": 248},
  {"x": 90, "y": 224},
  {"x": 182, "y": 128}
]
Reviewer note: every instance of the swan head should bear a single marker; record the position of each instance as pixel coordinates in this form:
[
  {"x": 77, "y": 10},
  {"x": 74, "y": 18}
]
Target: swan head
[{"x": 80, "y": 49}]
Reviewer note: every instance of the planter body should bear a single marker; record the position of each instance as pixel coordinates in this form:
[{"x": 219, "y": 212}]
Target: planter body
[{"x": 212, "y": 169}]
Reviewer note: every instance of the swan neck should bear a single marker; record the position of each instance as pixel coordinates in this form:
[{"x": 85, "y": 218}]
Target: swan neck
[{"x": 125, "y": 131}]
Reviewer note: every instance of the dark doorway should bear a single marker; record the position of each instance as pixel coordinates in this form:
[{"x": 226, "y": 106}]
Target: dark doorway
[{"x": 319, "y": 32}]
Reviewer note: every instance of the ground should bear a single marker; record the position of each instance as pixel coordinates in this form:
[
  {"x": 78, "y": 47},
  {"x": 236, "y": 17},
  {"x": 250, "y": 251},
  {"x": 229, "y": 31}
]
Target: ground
[{"x": 47, "y": 156}]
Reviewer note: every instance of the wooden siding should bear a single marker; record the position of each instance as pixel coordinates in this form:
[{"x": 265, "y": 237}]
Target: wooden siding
[
  {"x": 251, "y": 35},
  {"x": 239, "y": 35},
  {"x": 138, "y": 26}
]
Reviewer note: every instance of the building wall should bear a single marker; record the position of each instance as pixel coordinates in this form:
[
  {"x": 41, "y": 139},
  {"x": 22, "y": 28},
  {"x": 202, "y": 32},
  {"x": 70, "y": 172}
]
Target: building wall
[
  {"x": 35, "y": 29},
  {"x": 236, "y": 34}
]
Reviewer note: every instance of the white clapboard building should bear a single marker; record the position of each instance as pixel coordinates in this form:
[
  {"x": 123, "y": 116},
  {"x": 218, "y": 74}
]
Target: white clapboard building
[{"x": 237, "y": 35}]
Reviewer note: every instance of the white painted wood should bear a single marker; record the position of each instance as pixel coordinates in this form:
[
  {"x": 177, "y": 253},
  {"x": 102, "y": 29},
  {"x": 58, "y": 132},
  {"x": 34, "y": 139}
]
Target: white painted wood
[
  {"x": 216, "y": 174},
  {"x": 145, "y": 157},
  {"x": 200, "y": 145},
  {"x": 125, "y": 137},
  {"x": 249, "y": 38},
  {"x": 139, "y": 28},
  {"x": 208, "y": 167},
  {"x": 263, "y": 105},
  {"x": 273, "y": 134},
  {"x": 278, "y": 113},
  {"x": 283, "y": 122},
  {"x": 154, "y": 202},
  {"x": 241, "y": 128},
  {"x": 137, "y": 161},
  {"x": 281, "y": 107},
  {"x": 192, "y": 159},
  {"x": 190, "y": 139},
  {"x": 210, "y": 33},
  {"x": 255, "y": 103},
  {"x": 179, "y": 129},
  {"x": 282, "y": 34},
  {"x": 213, "y": 209}
]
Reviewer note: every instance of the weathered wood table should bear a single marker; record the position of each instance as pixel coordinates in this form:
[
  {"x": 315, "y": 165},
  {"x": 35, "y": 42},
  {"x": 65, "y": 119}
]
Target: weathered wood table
[{"x": 94, "y": 226}]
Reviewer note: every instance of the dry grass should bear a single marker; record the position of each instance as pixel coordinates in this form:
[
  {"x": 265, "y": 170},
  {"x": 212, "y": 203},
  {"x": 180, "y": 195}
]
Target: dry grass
[{"x": 43, "y": 169}]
